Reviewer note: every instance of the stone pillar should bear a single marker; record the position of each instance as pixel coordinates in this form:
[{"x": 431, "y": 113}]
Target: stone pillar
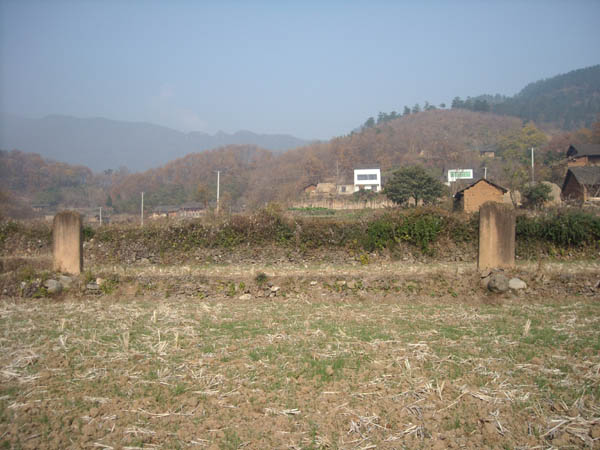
[
  {"x": 496, "y": 236},
  {"x": 67, "y": 242}
]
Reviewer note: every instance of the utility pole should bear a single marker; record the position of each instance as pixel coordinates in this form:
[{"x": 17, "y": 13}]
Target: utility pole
[
  {"x": 101, "y": 216},
  {"x": 142, "y": 209},
  {"x": 218, "y": 187},
  {"x": 532, "y": 169},
  {"x": 485, "y": 173}
]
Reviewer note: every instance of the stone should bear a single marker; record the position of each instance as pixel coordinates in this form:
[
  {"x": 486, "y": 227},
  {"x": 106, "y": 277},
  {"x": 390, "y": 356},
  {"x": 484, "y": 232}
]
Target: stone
[
  {"x": 275, "y": 288},
  {"x": 245, "y": 297},
  {"x": 53, "y": 286},
  {"x": 497, "y": 225},
  {"x": 484, "y": 281},
  {"x": 341, "y": 283},
  {"x": 517, "y": 284},
  {"x": 351, "y": 284},
  {"x": 67, "y": 243},
  {"x": 92, "y": 287},
  {"x": 554, "y": 195},
  {"x": 497, "y": 283},
  {"x": 65, "y": 281},
  {"x": 313, "y": 283}
]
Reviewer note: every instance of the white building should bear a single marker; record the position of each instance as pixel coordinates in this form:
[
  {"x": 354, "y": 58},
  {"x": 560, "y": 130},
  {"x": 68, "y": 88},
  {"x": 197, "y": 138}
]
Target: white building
[{"x": 369, "y": 179}]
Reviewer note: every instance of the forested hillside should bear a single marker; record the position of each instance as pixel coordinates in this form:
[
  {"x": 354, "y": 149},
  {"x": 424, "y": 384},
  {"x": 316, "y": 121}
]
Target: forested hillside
[
  {"x": 567, "y": 102},
  {"x": 439, "y": 140}
]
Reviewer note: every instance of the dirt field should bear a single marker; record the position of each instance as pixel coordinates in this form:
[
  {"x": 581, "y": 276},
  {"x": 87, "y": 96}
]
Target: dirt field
[{"x": 311, "y": 357}]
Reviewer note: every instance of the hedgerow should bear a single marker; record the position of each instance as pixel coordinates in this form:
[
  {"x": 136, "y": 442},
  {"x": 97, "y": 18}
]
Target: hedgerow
[{"x": 425, "y": 229}]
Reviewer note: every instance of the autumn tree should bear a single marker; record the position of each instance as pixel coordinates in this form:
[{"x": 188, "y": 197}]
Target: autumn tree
[
  {"x": 515, "y": 150},
  {"x": 202, "y": 194},
  {"x": 413, "y": 182}
]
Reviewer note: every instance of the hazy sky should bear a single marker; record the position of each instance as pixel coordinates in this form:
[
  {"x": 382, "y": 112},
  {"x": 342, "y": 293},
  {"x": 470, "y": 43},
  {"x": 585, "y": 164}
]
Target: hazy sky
[{"x": 314, "y": 69}]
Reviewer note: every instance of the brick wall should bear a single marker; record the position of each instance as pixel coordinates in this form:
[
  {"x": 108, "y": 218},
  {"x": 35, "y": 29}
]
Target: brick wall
[
  {"x": 477, "y": 195},
  {"x": 578, "y": 162}
]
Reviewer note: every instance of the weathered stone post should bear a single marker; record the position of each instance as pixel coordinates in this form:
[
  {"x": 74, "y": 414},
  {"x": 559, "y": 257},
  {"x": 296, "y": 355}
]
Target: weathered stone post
[
  {"x": 67, "y": 242},
  {"x": 497, "y": 224}
]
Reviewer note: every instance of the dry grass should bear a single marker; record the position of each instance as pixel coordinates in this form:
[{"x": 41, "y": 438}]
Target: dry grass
[{"x": 305, "y": 371}]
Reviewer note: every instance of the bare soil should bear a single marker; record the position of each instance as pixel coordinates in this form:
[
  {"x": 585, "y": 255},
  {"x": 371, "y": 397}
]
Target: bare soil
[{"x": 313, "y": 355}]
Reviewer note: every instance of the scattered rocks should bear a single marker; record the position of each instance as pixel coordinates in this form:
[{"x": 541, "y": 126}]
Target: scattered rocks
[
  {"x": 351, "y": 284},
  {"x": 517, "y": 284},
  {"x": 497, "y": 283},
  {"x": 53, "y": 286},
  {"x": 313, "y": 283},
  {"x": 245, "y": 297},
  {"x": 65, "y": 281}
]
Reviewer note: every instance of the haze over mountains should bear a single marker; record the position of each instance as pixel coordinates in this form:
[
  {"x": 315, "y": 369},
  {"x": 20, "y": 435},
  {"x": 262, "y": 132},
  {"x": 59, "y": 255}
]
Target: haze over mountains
[{"x": 101, "y": 144}]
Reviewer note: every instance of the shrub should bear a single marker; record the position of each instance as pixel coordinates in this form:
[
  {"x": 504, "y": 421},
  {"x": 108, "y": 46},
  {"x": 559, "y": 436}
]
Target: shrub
[
  {"x": 421, "y": 229},
  {"x": 565, "y": 228},
  {"x": 536, "y": 195}
]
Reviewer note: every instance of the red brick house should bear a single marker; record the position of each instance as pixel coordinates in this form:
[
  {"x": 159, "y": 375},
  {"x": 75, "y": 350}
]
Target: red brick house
[
  {"x": 583, "y": 155},
  {"x": 473, "y": 196}
]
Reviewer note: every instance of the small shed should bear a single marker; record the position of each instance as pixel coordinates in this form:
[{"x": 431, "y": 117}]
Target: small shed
[
  {"x": 487, "y": 152},
  {"x": 476, "y": 194},
  {"x": 582, "y": 184},
  {"x": 583, "y": 155},
  {"x": 310, "y": 189},
  {"x": 164, "y": 211}
]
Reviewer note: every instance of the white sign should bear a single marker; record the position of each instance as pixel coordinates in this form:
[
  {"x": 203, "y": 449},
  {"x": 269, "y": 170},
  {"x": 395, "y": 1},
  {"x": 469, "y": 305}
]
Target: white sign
[{"x": 460, "y": 174}]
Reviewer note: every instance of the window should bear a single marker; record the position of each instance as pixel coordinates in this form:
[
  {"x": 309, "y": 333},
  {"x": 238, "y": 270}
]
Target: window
[
  {"x": 343, "y": 188},
  {"x": 368, "y": 176}
]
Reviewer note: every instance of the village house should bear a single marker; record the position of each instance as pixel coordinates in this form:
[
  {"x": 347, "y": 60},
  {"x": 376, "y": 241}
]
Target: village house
[
  {"x": 582, "y": 184},
  {"x": 473, "y": 196},
  {"x": 583, "y": 155},
  {"x": 369, "y": 179},
  {"x": 345, "y": 189},
  {"x": 164, "y": 211},
  {"x": 310, "y": 189},
  {"x": 192, "y": 209},
  {"x": 487, "y": 152}
]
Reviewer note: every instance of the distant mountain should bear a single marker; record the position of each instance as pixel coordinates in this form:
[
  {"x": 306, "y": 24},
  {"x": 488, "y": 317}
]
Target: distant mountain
[
  {"x": 567, "y": 101},
  {"x": 109, "y": 144}
]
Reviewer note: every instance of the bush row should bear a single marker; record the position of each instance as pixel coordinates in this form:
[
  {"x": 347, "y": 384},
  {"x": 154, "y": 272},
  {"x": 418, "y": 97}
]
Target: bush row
[{"x": 421, "y": 228}]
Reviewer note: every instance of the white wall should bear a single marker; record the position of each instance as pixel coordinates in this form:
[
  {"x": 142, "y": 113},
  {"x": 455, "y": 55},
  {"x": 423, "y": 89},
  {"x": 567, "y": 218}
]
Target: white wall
[{"x": 373, "y": 184}]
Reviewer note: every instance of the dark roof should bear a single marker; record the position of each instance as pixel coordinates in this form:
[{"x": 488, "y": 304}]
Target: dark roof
[
  {"x": 165, "y": 209},
  {"x": 583, "y": 150},
  {"x": 461, "y": 192},
  {"x": 192, "y": 205},
  {"x": 585, "y": 175},
  {"x": 488, "y": 148}
]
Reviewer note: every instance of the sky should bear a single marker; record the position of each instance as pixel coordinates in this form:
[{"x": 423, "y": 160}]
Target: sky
[{"x": 312, "y": 69}]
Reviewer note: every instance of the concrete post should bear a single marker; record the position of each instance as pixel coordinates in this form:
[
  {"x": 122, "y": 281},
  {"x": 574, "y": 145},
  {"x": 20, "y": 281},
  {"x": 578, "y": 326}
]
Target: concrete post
[
  {"x": 497, "y": 224},
  {"x": 67, "y": 242}
]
